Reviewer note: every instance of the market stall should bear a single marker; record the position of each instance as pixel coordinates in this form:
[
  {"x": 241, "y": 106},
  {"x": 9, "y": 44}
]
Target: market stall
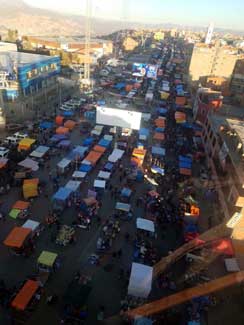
[
  {"x": 140, "y": 282},
  {"x": 39, "y": 152},
  {"x": 104, "y": 175},
  {"x": 60, "y": 198},
  {"x": 79, "y": 175},
  {"x": 62, "y": 130},
  {"x": 35, "y": 227},
  {"x": 24, "y": 297},
  {"x": 26, "y": 144},
  {"x": 64, "y": 165},
  {"x": 19, "y": 210},
  {"x": 30, "y": 188},
  {"x": 29, "y": 164},
  {"x": 17, "y": 240}
]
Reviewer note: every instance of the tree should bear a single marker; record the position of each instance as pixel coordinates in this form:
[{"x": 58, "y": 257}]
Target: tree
[{"x": 12, "y": 35}]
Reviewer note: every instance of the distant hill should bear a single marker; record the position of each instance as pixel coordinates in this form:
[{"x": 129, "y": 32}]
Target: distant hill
[{"x": 16, "y": 14}]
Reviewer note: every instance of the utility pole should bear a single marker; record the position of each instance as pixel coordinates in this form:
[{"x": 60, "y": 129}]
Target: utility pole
[{"x": 87, "y": 77}]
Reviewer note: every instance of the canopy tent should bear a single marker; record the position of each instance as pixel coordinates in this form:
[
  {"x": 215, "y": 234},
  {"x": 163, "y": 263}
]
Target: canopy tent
[
  {"x": 122, "y": 206},
  {"x": 104, "y": 143},
  {"x": 26, "y": 143},
  {"x": 99, "y": 149},
  {"x": 64, "y": 163},
  {"x": 58, "y": 137},
  {"x": 159, "y": 136},
  {"x": 126, "y": 192},
  {"x": 14, "y": 213},
  {"x": 144, "y": 131},
  {"x": 59, "y": 120},
  {"x": 185, "y": 171},
  {"x": 17, "y": 237},
  {"x": 45, "y": 125},
  {"x": 64, "y": 144},
  {"x": 31, "y": 224},
  {"x": 145, "y": 224},
  {"x": 140, "y": 283},
  {"x": 108, "y": 137},
  {"x": 67, "y": 113},
  {"x": 88, "y": 141},
  {"x": 109, "y": 166},
  {"x": 160, "y": 122},
  {"x": 29, "y": 164},
  {"x": 62, "y": 130},
  {"x": 62, "y": 194},
  {"x": 78, "y": 152},
  {"x": 73, "y": 185},
  {"x": 146, "y": 116},
  {"x": 79, "y": 175},
  {"x": 180, "y": 117},
  {"x": 158, "y": 151},
  {"x": 69, "y": 124},
  {"x": 3, "y": 162},
  {"x": 104, "y": 175},
  {"x": 21, "y": 205},
  {"x": 90, "y": 200},
  {"x": 116, "y": 155},
  {"x": 30, "y": 188},
  {"x": 180, "y": 101},
  {"x": 185, "y": 164},
  {"x": 93, "y": 157},
  {"x": 25, "y": 295},
  {"x": 162, "y": 111},
  {"x": 157, "y": 170},
  {"x": 39, "y": 152},
  {"x": 99, "y": 183},
  {"x": 47, "y": 258},
  {"x": 160, "y": 130},
  {"x": 84, "y": 168}
]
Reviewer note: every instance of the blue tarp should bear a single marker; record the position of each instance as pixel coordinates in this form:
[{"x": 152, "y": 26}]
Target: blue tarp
[
  {"x": 143, "y": 321},
  {"x": 191, "y": 228},
  {"x": 120, "y": 85},
  {"x": 109, "y": 166},
  {"x": 101, "y": 102},
  {"x": 144, "y": 131},
  {"x": 104, "y": 143},
  {"x": 187, "y": 125},
  {"x": 64, "y": 143},
  {"x": 158, "y": 170},
  {"x": 62, "y": 194},
  {"x": 67, "y": 113},
  {"x": 185, "y": 158},
  {"x": 58, "y": 137},
  {"x": 79, "y": 152},
  {"x": 88, "y": 141},
  {"x": 160, "y": 130},
  {"x": 85, "y": 168},
  {"x": 126, "y": 192},
  {"x": 46, "y": 125},
  {"x": 162, "y": 111},
  {"x": 158, "y": 151},
  {"x": 184, "y": 164}
]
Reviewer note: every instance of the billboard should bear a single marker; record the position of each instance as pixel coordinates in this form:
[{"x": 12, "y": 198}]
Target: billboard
[
  {"x": 139, "y": 68},
  {"x": 118, "y": 117},
  {"x": 148, "y": 70}
]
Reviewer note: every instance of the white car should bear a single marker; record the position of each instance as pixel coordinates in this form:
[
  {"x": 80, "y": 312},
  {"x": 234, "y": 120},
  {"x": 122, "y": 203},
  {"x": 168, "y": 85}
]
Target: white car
[
  {"x": 3, "y": 152},
  {"x": 65, "y": 108},
  {"x": 11, "y": 140},
  {"x": 20, "y": 135}
]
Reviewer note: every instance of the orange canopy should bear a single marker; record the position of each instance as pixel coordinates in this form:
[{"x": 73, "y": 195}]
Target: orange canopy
[
  {"x": 24, "y": 296},
  {"x": 93, "y": 157},
  {"x": 62, "y": 130},
  {"x": 160, "y": 122},
  {"x": 99, "y": 149},
  {"x": 195, "y": 211},
  {"x": 180, "y": 116},
  {"x": 185, "y": 171},
  {"x": 31, "y": 181},
  {"x": 180, "y": 101},
  {"x": 16, "y": 237},
  {"x": 137, "y": 161},
  {"x": 59, "y": 120},
  {"x": 140, "y": 153},
  {"x": 69, "y": 124},
  {"x": 159, "y": 136},
  {"x": 21, "y": 205}
]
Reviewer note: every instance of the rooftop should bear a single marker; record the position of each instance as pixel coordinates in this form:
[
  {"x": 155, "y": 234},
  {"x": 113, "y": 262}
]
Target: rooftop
[
  {"x": 65, "y": 40},
  {"x": 20, "y": 58}
]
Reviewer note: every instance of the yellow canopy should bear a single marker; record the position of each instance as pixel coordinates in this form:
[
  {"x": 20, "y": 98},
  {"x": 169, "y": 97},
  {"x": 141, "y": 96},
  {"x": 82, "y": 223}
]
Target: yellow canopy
[{"x": 26, "y": 143}]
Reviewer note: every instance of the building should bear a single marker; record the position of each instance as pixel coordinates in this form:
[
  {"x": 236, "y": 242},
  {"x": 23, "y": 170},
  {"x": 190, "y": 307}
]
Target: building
[
  {"x": 209, "y": 60},
  {"x": 72, "y": 46},
  {"x": 237, "y": 82},
  {"x": 209, "y": 34},
  {"x": 130, "y": 44},
  {"x": 5, "y": 47},
  {"x": 223, "y": 139},
  {"x": 28, "y": 80}
]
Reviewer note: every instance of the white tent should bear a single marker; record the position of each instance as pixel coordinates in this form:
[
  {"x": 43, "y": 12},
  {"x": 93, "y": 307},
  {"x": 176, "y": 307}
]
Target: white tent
[
  {"x": 73, "y": 185},
  {"x": 29, "y": 163},
  {"x": 108, "y": 137},
  {"x": 99, "y": 184},
  {"x": 104, "y": 175},
  {"x": 115, "y": 155},
  {"x": 39, "y": 152},
  {"x": 64, "y": 163},
  {"x": 78, "y": 174},
  {"x": 140, "y": 283},
  {"x": 145, "y": 224}
]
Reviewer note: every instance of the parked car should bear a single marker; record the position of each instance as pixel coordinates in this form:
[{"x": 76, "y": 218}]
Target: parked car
[
  {"x": 3, "y": 152},
  {"x": 11, "y": 140},
  {"x": 20, "y": 135}
]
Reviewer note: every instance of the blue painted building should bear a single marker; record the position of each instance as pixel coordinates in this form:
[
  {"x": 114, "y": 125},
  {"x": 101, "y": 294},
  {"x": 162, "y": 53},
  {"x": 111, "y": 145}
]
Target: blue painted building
[{"x": 25, "y": 74}]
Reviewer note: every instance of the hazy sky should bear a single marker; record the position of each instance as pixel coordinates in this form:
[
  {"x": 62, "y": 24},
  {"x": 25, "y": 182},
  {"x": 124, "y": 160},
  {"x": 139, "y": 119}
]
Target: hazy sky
[{"x": 224, "y": 13}]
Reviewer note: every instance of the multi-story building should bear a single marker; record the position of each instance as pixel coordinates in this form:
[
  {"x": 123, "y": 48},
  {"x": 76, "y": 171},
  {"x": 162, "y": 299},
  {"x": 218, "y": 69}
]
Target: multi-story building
[
  {"x": 28, "y": 80},
  {"x": 208, "y": 60},
  {"x": 223, "y": 139},
  {"x": 5, "y": 47},
  {"x": 130, "y": 44},
  {"x": 237, "y": 82}
]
